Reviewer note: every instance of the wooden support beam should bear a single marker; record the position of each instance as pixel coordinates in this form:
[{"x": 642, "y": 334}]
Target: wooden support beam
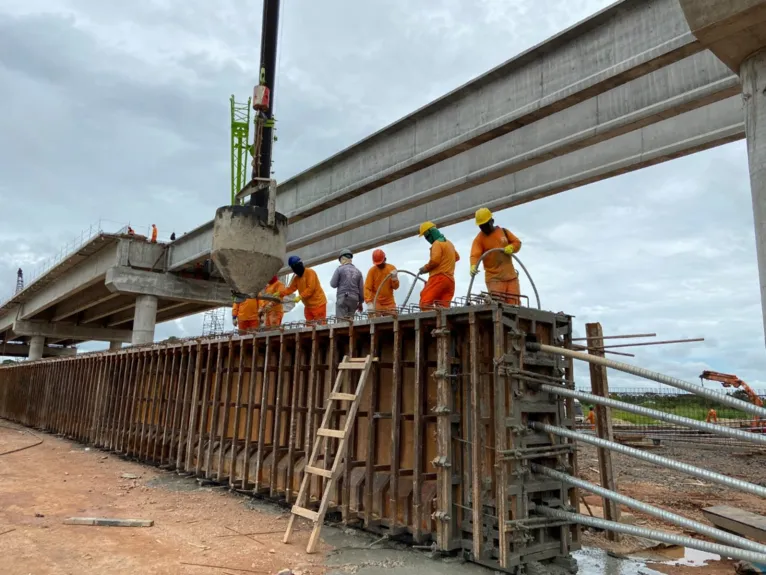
[{"x": 600, "y": 386}]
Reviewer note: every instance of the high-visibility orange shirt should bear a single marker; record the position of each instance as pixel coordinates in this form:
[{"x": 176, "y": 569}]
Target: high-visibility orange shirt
[
  {"x": 443, "y": 259},
  {"x": 274, "y": 290},
  {"x": 375, "y": 277},
  {"x": 307, "y": 287},
  {"x": 497, "y": 266},
  {"x": 247, "y": 310}
]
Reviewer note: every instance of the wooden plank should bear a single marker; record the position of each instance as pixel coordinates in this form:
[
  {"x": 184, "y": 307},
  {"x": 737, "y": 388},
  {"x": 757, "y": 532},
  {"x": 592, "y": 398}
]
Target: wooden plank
[
  {"x": 158, "y": 396},
  {"x": 273, "y": 491},
  {"x": 184, "y": 366},
  {"x": 108, "y": 522},
  {"x": 338, "y": 396},
  {"x": 303, "y": 512},
  {"x": 249, "y": 414},
  {"x": 444, "y": 500},
  {"x": 501, "y": 435},
  {"x": 226, "y": 410},
  {"x": 340, "y": 434},
  {"x": 350, "y": 365},
  {"x": 395, "y": 446},
  {"x": 169, "y": 399},
  {"x": 237, "y": 408},
  {"x": 292, "y": 436},
  {"x": 215, "y": 409},
  {"x": 262, "y": 415},
  {"x": 372, "y": 429},
  {"x": 132, "y": 407},
  {"x": 417, "y": 471},
  {"x": 319, "y": 471},
  {"x": 600, "y": 386},
  {"x": 739, "y": 521},
  {"x": 193, "y": 406},
  {"x": 204, "y": 405},
  {"x": 476, "y": 473}
]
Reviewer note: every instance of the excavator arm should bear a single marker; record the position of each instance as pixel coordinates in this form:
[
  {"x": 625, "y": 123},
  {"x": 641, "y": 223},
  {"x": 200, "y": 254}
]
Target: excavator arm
[{"x": 728, "y": 380}]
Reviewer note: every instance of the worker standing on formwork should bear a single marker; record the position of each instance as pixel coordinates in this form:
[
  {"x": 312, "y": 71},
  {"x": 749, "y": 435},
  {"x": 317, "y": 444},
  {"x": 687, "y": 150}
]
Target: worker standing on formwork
[
  {"x": 378, "y": 279},
  {"x": 273, "y": 311},
  {"x": 349, "y": 285},
  {"x": 245, "y": 315},
  {"x": 440, "y": 287},
  {"x": 306, "y": 283},
  {"x": 499, "y": 274},
  {"x": 154, "y": 234}
]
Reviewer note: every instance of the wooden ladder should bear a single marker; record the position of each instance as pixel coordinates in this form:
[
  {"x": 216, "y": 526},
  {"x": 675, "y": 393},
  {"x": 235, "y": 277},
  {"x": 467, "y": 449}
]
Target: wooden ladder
[{"x": 324, "y": 433}]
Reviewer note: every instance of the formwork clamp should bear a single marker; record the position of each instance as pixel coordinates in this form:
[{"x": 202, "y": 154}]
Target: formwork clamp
[
  {"x": 440, "y": 332},
  {"x": 441, "y": 462},
  {"x": 440, "y": 516}
]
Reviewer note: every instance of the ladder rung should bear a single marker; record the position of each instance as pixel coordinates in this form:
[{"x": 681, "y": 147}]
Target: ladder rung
[
  {"x": 351, "y": 365},
  {"x": 331, "y": 433},
  {"x": 360, "y": 359},
  {"x": 307, "y": 513},
  {"x": 319, "y": 471},
  {"x": 343, "y": 396}
]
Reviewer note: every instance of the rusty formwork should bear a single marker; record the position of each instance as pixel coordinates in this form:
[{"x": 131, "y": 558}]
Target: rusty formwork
[{"x": 440, "y": 445}]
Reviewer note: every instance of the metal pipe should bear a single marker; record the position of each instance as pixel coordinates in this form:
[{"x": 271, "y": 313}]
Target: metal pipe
[
  {"x": 655, "y": 534},
  {"x": 653, "y": 375},
  {"x": 711, "y": 476},
  {"x": 643, "y": 343},
  {"x": 268, "y": 70},
  {"x": 616, "y": 336},
  {"x": 680, "y": 520},
  {"x": 385, "y": 279},
  {"x": 655, "y": 414},
  {"x": 412, "y": 287},
  {"x": 577, "y": 346},
  {"x": 518, "y": 261}
]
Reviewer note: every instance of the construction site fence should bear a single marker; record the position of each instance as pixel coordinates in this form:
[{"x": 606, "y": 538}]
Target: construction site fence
[{"x": 439, "y": 452}]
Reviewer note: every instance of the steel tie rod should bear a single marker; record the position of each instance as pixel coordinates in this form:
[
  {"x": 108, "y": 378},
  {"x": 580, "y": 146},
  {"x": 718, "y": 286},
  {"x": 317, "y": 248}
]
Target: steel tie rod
[
  {"x": 655, "y": 534},
  {"x": 652, "y": 458},
  {"x": 656, "y": 414},
  {"x": 680, "y": 520},
  {"x": 653, "y": 375}
]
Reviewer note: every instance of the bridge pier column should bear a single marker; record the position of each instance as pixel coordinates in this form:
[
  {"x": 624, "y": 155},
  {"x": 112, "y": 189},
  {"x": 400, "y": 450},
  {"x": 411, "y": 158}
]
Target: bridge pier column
[
  {"x": 36, "y": 347},
  {"x": 753, "y": 76},
  {"x": 144, "y": 319},
  {"x": 115, "y": 345}
]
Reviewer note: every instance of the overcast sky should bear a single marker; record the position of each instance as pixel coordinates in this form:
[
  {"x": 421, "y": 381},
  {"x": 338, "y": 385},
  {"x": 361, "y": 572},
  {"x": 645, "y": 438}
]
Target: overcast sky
[{"x": 120, "y": 112}]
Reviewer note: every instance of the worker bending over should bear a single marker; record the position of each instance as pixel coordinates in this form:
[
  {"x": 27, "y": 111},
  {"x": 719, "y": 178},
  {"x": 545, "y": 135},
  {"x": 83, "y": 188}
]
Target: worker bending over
[
  {"x": 712, "y": 416},
  {"x": 245, "y": 315},
  {"x": 347, "y": 280},
  {"x": 306, "y": 283},
  {"x": 378, "y": 279},
  {"x": 273, "y": 311},
  {"x": 440, "y": 287},
  {"x": 499, "y": 274}
]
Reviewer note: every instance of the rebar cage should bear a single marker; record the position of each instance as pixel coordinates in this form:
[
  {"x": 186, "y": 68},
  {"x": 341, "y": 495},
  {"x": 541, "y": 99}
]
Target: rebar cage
[{"x": 440, "y": 450}]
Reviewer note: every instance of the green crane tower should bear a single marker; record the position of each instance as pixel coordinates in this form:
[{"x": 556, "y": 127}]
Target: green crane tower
[
  {"x": 240, "y": 130},
  {"x": 214, "y": 320}
]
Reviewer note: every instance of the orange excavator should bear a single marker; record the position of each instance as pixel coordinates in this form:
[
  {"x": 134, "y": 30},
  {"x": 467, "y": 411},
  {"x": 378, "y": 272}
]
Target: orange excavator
[{"x": 728, "y": 380}]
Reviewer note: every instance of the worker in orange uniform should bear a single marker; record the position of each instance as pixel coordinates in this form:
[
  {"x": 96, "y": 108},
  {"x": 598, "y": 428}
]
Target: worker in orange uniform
[
  {"x": 440, "y": 287},
  {"x": 306, "y": 283},
  {"x": 712, "y": 416},
  {"x": 377, "y": 279},
  {"x": 245, "y": 315},
  {"x": 154, "y": 234},
  {"x": 274, "y": 312},
  {"x": 499, "y": 274},
  {"x": 591, "y": 417}
]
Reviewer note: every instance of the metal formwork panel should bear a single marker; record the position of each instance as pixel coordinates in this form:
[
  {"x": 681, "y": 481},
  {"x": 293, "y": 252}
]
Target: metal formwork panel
[{"x": 439, "y": 451}]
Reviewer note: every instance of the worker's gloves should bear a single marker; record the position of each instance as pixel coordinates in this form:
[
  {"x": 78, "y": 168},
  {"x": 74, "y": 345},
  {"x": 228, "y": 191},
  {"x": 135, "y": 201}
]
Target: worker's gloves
[
  {"x": 474, "y": 270},
  {"x": 297, "y": 299},
  {"x": 394, "y": 275},
  {"x": 508, "y": 250},
  {"x": 234, "y": 321},
  {"x": 422, "y": 271},
  {"x": 360, "y": 308}
]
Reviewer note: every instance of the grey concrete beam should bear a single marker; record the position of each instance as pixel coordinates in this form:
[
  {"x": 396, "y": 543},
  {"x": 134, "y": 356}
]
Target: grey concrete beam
[
  {"x": 618, "y": 44},
  {"x": 22, "y": 350},
  {"x": 693, "y": 83},
  {"x": 167, "y": 286},
  {"x": 69, "y": 331},
  {"x": 165, "y": 309},
  {"x": 696, "y": 130},
  {"x": 124, "y": 302},
  {"x": 186, "y": 250},
  {"x": 141, "y": 254},
  {"x": 87, "y": 299}
]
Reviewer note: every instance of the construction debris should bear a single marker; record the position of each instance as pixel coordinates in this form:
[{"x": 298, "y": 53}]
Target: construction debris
[{"x": 107, "y": 522}]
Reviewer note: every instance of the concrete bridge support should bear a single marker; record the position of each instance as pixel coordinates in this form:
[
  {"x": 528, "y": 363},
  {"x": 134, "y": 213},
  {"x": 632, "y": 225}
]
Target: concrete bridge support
[
  {"x": 36, "y": 347},
  {"x": 735, "y": 31},
  {"x": 144, "y": 320}
]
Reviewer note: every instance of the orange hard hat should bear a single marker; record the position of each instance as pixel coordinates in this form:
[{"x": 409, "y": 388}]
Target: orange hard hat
[{"x": 378, "y": 257}]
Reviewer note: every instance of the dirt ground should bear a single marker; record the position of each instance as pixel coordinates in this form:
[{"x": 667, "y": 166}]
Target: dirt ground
[{"x": 200, "y": 530}]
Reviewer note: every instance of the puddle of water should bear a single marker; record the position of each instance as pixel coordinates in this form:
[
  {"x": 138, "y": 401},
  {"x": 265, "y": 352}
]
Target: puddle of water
[
  {"x": 677, "y": 555},
  {"x": 592, "y": 561}
]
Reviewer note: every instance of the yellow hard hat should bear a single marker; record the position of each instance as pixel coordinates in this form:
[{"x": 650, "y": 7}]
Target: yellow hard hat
[
  {"x": 425, "y": 226},
  {"x": 483, "y": 215}
]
